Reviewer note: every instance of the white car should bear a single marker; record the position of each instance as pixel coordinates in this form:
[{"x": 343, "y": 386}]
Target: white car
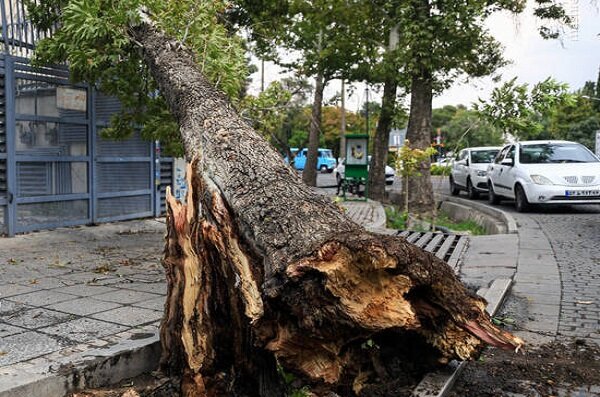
[
  {"x": 544, "y": 172},
  {"x": 469, "y": 171},
  {"x": 339, "y": 172}
]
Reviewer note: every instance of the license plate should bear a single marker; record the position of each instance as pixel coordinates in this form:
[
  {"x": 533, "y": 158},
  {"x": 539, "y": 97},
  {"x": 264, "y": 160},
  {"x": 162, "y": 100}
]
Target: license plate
[{"x": 582, "y": 193}]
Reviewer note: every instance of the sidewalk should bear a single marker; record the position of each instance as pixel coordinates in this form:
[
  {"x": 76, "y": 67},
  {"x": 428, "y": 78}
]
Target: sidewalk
[{"x": 82, "y": 305}]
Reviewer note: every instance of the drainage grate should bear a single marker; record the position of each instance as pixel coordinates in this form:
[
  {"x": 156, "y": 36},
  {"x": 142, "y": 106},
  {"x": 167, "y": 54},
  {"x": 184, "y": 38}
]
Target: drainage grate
[{"x": 448, "y": 247}]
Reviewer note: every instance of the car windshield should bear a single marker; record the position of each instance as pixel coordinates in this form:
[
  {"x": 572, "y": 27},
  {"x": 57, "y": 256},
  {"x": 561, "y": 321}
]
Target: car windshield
[
  {"x": 555, "y": 153},
  {"x": 483, "y": 156},
  {"x": 326, "y": 153}
]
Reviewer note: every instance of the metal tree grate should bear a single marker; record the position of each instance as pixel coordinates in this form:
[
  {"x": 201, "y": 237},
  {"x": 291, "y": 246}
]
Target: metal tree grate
[{"x": 448, "y": 247}]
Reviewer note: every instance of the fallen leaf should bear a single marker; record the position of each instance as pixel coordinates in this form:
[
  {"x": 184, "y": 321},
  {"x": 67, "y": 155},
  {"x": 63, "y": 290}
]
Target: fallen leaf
[
  {"x": 33, "y": 281},
  {"x": 3, "y": 353}
]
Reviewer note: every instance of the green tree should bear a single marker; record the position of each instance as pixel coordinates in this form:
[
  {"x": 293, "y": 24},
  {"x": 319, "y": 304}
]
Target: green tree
[
  {"x": 522, "y": 112},
  {"x": 93, "y": 40},
  {"x": 437, "y": 43},
  {"x": 323, "y": 33},
  {"x": 267, "y": 113},
  {"x": 462, "y": 127}
]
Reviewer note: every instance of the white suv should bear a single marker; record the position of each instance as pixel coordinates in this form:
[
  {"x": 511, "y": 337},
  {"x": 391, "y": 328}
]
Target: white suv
[
  {"x": 545, "y": 172},
  {"x": 469, "y": 171}
]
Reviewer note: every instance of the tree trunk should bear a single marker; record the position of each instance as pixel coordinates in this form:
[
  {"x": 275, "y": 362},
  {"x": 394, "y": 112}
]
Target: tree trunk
[
  {"x": 381, "y": 141},
  {"x": 420, "y": 191},
  {"x": 264, "y": 274},
  {"x": 309, "y": 175}
]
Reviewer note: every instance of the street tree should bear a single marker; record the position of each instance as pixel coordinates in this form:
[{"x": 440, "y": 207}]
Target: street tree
[
  {"x": 439, "y": 42},
  {"x": 524, "y": 113},
  {"x": 461, "y": 127},
  {"x": 263, "y": 273},
  {"x": 320, "y": 41}
]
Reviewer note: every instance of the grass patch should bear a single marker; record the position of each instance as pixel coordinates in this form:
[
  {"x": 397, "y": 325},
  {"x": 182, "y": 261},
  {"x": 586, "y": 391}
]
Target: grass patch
[
  {"x": 467, "y": 225},
  {"x": 396, "y": 219}
]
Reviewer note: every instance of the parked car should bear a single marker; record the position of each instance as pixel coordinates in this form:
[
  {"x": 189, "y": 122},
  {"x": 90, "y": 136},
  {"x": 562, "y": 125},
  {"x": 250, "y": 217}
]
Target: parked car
[
  {"x": 469, "y": 171},
  {"x": 325, "y": 160},
  {"x": 548, "y": 172},
  {"x": 339, "y": 172}
]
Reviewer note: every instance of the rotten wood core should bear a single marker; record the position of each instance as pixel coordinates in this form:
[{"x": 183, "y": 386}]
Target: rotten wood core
[{"x": 264, "y": 275}]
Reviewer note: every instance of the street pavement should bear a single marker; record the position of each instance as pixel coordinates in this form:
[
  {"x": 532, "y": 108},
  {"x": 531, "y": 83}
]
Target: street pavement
[
  {"x": 71, "y": 295},
  {"x": 555, "y": 266}
]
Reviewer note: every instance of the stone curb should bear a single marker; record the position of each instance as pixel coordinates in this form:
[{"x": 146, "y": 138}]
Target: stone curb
[
  {"x": 95, "y": 364},
  {"x": 496, "y": 213}
]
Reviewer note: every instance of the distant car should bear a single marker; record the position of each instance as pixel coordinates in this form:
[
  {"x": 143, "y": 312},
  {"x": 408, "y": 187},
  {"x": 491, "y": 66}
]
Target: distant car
[
  {"x": 325, "y": 160},
  {"x": 469, "y": 171},
  {"x": 548, "y": 172},
  {"x": 339, "y": 172}
]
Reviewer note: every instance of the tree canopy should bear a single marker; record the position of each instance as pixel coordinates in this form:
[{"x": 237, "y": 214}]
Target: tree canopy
[{"x": 92, "y": 39}]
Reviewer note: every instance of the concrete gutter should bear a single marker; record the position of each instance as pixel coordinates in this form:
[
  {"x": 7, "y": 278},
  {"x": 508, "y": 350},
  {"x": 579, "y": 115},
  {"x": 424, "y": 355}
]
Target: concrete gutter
[{"x": 494, "y": 220}]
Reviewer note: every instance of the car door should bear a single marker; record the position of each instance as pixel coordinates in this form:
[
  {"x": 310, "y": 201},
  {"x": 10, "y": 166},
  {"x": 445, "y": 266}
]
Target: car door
[
  {"x": 504, "y": 181},
  {"x": 300, "y": 159},
  {"x": 460, "y": 168},
  {"x": 495, "y": 170}
]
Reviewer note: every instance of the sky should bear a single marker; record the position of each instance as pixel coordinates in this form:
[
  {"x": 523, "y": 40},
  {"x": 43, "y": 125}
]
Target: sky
[{"x": 574, "y": 60}]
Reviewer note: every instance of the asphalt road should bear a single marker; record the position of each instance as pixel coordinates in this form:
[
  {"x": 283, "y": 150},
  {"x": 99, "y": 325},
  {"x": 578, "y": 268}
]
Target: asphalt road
[{"x": 574, "y": 234}]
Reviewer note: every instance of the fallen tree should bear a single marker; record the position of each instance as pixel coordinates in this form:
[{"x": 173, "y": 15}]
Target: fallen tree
[{"x": 264, "y": 275}]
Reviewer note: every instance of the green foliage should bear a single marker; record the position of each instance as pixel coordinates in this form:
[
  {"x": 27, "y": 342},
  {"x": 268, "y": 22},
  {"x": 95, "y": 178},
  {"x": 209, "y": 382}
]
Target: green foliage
[
  {"x": 92, "y": 38},
  {"x": 521, "y": 112},
  {"x": 444, "y": 170},
  {"x": 409, "y": 163},
  {"x": 467, "y": 225},
  {"x": 395, "y": 219},
  {"x": 461, "y": 127},
  {"x": 267, "y": 111}
]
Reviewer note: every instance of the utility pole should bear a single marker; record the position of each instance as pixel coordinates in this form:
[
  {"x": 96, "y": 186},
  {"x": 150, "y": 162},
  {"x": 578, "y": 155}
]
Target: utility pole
[
  {"x": 262, "y": 75},
  {"x": 343, "y": 122},
  {"x": 367, "y": 107}
]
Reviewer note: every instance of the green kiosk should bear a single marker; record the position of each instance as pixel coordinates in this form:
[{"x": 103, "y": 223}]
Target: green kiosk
[{"x": 356, "y": 166}]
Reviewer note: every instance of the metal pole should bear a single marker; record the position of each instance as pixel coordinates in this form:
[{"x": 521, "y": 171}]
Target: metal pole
[
  {"x": 11, "y": 163},
  {"x": 343, "y": 122},
  {"x": 367, "y": 107},
  {"x": 262, "y": 75}
]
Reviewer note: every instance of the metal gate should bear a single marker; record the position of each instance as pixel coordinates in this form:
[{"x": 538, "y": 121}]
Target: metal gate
[{"x": 55, "y": 167}]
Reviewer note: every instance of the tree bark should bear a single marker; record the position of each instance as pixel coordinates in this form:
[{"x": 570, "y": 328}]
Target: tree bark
[
  {"x": 381, "y": 141},
  {"x": 420, "y": 191},
  {"x": 263, "y": 273},
  {"x": 309, "y": 175}
]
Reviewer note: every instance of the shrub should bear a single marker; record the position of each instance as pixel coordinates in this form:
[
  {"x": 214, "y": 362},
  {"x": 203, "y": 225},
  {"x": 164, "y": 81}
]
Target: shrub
[{"x": 440, "y": 169}]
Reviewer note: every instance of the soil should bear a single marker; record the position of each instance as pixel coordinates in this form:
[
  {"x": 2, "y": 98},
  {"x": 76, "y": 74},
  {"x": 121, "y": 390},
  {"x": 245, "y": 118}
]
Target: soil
[
  {"x": 568, "y": 368},
  {"x": 560, "y": 368}
]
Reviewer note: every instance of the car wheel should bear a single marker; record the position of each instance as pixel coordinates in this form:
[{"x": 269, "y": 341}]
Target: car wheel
[
  {"x": 454, "y": 190},
  {"x": 473, "y": 194},
  {"x": 492, "y": 197},
  {"x": 323, "y": 169},
  {"x": 521, "y": 202}
]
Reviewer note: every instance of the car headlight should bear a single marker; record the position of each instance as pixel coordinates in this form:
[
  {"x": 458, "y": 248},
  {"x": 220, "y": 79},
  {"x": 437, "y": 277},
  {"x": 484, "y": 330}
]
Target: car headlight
[
  {"x": 481, "y": 173},
  {"x": 541, "y": 180}
]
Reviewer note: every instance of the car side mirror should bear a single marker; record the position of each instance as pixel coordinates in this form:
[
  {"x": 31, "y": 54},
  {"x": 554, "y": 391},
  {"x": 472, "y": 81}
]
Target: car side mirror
[
  {"x": 467, "y": 162},
  {"x": 509, "y": 162}
]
